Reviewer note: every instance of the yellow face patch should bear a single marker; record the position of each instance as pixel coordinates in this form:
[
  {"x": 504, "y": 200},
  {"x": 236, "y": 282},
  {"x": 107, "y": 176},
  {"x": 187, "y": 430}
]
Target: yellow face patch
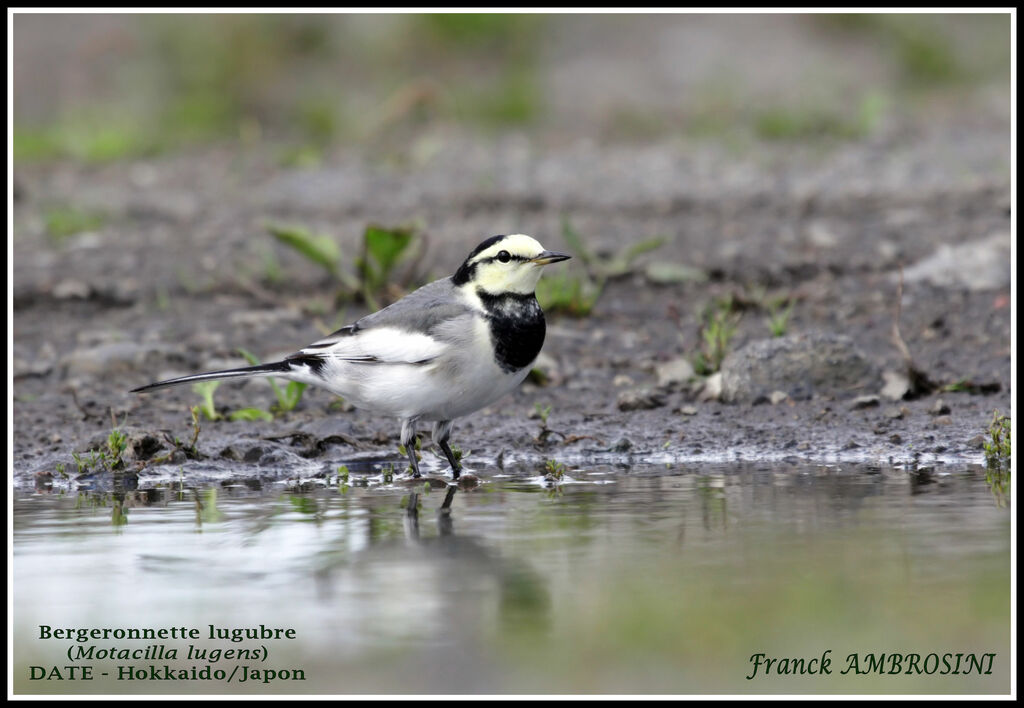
[{"x": 508, "y": 266}]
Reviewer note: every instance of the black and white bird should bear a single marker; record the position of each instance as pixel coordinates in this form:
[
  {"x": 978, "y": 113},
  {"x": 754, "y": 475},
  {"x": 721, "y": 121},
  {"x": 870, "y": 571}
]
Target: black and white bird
[{"x": 442, "y": 352}]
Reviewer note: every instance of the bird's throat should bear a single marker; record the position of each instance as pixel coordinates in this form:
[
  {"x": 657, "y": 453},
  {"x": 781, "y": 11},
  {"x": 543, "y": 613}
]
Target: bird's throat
[{"x": 517, "y": 328}]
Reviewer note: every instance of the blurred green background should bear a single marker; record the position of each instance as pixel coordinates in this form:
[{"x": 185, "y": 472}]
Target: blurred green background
[{"x": 109, "y": 87}]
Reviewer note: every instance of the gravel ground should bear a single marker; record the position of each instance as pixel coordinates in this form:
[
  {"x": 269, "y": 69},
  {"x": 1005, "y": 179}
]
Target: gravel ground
[
  {"x": 178, "y": 270},
  {"x": 173, "y": 282}
]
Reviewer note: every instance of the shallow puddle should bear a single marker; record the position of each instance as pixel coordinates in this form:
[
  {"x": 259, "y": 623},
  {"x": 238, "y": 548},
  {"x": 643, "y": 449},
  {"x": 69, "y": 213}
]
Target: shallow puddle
[{"x": 626, "y": 580}]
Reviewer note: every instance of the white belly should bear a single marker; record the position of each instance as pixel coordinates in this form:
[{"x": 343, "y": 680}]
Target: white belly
[{"x": 454, "y": 385}]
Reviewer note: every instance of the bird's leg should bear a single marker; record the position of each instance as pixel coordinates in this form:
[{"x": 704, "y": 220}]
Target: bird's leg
[
  {"x": 443, "y": 431},
  {"x": 409, "y": 441}
]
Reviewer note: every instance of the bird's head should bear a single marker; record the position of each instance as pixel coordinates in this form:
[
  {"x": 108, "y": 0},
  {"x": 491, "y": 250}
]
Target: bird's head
[{"x": 506, "y": 264}]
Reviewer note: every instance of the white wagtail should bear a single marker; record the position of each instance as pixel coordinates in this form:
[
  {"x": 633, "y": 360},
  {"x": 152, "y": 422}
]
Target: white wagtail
[{"x": 441, "y": 352}]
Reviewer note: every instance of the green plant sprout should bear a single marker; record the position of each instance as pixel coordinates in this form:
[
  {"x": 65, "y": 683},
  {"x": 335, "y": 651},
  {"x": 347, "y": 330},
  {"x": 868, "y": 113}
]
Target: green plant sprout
[
  {"x": 778, "y": 318},
  {"x": 207, "y": 407},
  {"x": 342, "y": 480},
  {"x": 554, "y": 471},
  {"x": 719, "y": 325},
  {"x": 997, "y": 447},
  {"x": 576, "y": 295},
  {"x": 249, "y": 414},
  {"x": 542, "y": 412},
  {"x": 65, "y": 221},
  {"x": 318, "y": 248},
  {"x": 383, "y": 249},
  {"x": 117, "y": 443}
]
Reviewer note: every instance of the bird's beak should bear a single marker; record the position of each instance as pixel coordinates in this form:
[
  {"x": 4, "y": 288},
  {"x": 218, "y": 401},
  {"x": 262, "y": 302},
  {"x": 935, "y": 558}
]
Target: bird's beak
[{"x": 549, "y": 257}]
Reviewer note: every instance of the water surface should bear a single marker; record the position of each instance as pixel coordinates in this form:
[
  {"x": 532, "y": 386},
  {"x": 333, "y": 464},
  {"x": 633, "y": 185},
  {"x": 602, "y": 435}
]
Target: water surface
[{"x": 621, "y": 580}]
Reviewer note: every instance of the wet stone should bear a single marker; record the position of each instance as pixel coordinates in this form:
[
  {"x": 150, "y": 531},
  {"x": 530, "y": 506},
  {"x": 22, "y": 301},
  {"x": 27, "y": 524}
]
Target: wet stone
[
  {"x": 468, "y": 481},
  {"x": 621, "y": 445},
  {"x": 977, "y": 442},
  {"x": 939, "y": 408},
  {"x": 253, "y": 454}
]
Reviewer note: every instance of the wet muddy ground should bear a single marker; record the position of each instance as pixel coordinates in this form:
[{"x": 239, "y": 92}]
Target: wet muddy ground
[{"x": 175, "y": 280}]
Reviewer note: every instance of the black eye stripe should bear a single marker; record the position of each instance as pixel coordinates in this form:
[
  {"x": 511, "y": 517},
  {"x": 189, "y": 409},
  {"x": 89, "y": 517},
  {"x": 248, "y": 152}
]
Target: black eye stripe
[{"x": 498, "y": 258}]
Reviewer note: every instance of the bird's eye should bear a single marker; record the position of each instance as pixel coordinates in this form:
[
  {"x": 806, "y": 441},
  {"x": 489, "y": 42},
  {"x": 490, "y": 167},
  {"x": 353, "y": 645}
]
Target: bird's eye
[{"x": 504, "y": 256}]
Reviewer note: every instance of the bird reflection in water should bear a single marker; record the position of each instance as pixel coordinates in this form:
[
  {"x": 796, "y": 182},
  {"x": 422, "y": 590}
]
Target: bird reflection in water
[{"x": 445, "y": 568}]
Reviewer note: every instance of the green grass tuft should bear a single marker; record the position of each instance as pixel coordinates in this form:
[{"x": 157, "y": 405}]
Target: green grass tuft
[
  {"x": 719, "y": 323},
  {"x": 65, "y": 221}
]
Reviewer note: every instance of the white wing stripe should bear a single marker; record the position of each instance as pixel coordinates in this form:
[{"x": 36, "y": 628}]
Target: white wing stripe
[{"x": 383, "y": 344}]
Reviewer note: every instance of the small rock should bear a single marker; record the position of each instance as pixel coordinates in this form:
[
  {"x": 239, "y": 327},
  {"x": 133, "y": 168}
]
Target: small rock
[
  {"x": 676, "y": 371},
  {"x": 977, "y": 442},
  {"x": 688, "y": 410},
  {"x": 943, "y": 420},
  {"x": 850, "y": 445},
  {"x": 621, "y": 445},
  {"x": 864, "y": 402},
  {"x": 117, "y": 357},
  {"x": 253, "y": 454},
  {"x": 821, "y": 236},
  {"x": 712, "y": 389},
  {"x": 939, "y": 408},
  {"x": 621, "y": 380},
  {"x": 895, "y": 438},
  {"x": 983, "y": 264},
  {"x": 639, "y": 399},
  {"x": 801, "y": 365},
  {"x": 468, "y": 481},
  {"x": 38, "y": 365},
  {"x": 778, "y": 397},
  {"x": 896, "y": 385},
  {"x": 893, "y": 412},
  {"x": 72, "y": 290},
  {"x": 230, "y": 453}
]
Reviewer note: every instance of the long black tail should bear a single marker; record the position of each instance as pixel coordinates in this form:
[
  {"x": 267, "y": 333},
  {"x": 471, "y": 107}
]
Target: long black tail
[{"x": 277, "y": 367}]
